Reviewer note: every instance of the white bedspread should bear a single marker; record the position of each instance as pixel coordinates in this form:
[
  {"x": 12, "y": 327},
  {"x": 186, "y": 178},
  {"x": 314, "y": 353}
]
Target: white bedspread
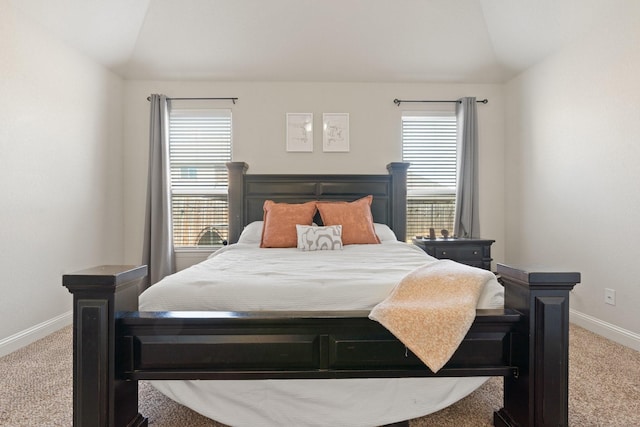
[{"x": 244, "y": 277}]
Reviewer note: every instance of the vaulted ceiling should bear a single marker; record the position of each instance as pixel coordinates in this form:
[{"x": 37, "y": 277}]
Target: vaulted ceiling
[{"x": 474, "y": 41}]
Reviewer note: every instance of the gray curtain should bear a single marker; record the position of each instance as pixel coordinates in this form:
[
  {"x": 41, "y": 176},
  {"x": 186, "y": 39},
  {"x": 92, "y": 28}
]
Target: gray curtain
[
  {"x": 466, "y": 222},
  {"x": 158, "y": 252}
]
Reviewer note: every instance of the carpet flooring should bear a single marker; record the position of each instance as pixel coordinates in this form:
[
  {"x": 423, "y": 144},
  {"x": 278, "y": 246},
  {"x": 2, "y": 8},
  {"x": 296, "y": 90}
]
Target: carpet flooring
[{"x": 604, "y": 389}]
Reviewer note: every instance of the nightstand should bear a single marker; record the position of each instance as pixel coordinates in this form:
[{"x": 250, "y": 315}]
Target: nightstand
[{"x": 474, "y": 252}]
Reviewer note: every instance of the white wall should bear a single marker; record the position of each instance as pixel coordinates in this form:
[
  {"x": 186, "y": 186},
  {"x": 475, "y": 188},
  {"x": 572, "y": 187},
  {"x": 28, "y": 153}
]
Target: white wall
[
  {"x": 259, "y": 135},
  {"x": 572, "y": 152},
  {"x": 60, "y": 171}
]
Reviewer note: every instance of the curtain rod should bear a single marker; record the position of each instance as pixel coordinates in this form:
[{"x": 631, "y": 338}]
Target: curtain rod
[
  {"x": 399, "y": 101},
  {"x": 199, "y": 99}
]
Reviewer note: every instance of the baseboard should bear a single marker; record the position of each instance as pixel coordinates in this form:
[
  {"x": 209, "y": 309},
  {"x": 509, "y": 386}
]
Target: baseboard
[
  {"x": 34, "y": 333},
  {"x": 607, "y": 330}
]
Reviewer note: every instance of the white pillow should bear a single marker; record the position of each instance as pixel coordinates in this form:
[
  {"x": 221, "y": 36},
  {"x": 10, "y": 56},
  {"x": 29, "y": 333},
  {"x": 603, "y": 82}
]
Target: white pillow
[
  {"x": 252, "y": 233},
  {"x": 314, "y": 238},
  {"x": 384, "y": 233}
]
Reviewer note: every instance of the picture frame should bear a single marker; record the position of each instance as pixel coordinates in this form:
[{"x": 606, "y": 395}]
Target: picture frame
[
  {"x": 300, "y": 132},
  {"x": 335, "y": 132}
]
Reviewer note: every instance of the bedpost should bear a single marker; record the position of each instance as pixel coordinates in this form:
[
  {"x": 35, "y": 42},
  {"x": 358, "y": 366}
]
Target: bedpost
[
  {"x": 398, "y": 172},
  {"x": 99, "y": 399},
  {"x": 236, "y": 172},
  {"x": 538, "y": 395}
]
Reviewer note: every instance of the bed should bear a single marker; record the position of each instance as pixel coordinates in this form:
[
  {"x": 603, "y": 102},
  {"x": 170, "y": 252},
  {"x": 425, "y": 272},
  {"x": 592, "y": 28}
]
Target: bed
[{"x": 116, "y": 343}]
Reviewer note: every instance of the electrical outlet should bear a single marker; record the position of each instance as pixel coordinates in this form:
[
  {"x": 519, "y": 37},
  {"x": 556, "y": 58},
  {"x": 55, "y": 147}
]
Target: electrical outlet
[{"x": 609, "y": 296}]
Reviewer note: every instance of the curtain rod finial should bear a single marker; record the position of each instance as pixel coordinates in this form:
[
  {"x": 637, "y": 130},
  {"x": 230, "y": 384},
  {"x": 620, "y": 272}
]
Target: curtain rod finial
[{"x": 397, "y": 102}]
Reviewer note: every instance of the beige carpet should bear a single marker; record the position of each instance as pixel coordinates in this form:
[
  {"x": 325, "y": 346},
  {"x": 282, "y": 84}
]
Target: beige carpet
[{"x": 604, "y": 390}]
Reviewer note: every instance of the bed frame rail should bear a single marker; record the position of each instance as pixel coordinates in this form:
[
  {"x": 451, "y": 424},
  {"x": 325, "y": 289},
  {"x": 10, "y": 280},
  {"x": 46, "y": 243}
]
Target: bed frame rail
[
  {"x": 115, "y": 346},
  {"x": 266, "y": 345}
]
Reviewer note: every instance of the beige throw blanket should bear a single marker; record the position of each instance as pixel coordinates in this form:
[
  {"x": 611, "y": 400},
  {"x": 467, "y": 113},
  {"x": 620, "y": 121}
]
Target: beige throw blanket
[{"x": 432, "y": 309}]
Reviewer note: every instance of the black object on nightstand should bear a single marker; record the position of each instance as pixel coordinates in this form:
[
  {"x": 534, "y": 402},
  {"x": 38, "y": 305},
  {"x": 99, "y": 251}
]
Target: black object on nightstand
[{"x": 474, "y": 252}]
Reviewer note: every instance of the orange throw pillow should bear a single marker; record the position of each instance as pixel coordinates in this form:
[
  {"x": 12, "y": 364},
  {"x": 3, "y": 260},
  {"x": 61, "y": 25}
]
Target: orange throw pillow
[
  {"x": 280, "y": 219},
  {"x": 355, "y": 217}
]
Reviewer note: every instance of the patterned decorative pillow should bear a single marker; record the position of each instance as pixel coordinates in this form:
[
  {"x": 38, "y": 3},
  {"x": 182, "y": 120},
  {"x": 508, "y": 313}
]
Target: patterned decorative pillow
[{"x": 312, "y": 238}]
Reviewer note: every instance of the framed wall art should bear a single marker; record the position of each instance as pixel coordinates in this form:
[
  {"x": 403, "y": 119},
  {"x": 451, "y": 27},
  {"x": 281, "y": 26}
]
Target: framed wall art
[
  {"x": 335, "y": 132},
  {"x": 300, "y": 132}
]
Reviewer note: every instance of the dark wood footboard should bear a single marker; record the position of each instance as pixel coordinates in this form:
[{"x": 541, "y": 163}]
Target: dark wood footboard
[{"x": 115, "y": 346}]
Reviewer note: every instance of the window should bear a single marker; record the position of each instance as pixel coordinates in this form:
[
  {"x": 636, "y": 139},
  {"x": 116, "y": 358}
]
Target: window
[
  {"x": 199, "y": 147},
  {"x": 429, "y": 144}
]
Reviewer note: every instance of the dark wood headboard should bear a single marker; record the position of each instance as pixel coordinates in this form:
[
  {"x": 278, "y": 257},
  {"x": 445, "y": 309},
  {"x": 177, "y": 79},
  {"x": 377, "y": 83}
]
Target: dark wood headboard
[{"x": 248, "y": 192}]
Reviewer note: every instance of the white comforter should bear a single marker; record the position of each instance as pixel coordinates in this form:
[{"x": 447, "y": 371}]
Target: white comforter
[{"x": 244, "y": 277}]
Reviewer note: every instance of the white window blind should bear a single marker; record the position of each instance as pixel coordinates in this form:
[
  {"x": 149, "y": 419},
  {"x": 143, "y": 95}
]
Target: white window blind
[
  {"x": 429, "y": 144},
  {"x": 199, "y": 147}
]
